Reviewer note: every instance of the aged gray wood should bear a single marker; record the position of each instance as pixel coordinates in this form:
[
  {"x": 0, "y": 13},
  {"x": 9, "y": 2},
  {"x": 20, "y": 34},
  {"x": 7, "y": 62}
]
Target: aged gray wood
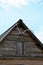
[
  {"x": 15, "y": 45},
  {"x": 19, "y": 48}
]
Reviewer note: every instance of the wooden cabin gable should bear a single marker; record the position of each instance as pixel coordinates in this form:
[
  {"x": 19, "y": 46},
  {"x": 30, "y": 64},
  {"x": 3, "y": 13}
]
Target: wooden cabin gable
[
  {"x": 20, "y": 43},
  {"x": 16, "y": 44}
]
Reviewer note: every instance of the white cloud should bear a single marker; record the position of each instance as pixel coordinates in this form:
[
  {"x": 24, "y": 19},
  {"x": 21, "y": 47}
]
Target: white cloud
[
  {"x": 16, "y": 3},
  {"x": 35, "y": 1}
]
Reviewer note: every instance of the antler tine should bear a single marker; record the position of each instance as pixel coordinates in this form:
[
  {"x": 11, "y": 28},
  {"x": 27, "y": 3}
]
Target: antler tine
[
  {"x": 18, "y": 29},
  {"x": 24, "y": 31}
]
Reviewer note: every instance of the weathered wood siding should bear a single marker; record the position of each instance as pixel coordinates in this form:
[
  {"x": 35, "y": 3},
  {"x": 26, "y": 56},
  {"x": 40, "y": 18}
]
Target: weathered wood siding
[
  {"x": 19, "y": 45},
  {"x": 21, "y": 62}
]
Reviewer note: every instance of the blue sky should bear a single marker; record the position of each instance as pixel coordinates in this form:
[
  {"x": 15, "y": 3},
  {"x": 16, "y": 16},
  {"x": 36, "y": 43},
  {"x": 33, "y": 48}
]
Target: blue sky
[{"x": 30, "y": 11}]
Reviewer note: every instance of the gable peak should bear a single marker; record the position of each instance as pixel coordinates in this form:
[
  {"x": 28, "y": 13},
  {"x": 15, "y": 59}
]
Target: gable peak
[{"x": 20, "y": 21}]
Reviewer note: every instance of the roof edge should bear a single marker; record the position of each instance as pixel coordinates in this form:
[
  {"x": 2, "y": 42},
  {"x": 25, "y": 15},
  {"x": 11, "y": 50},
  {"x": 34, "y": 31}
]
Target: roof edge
[
  {"x": 20, "y": 21},
  {"x": 2, "y": 36}
]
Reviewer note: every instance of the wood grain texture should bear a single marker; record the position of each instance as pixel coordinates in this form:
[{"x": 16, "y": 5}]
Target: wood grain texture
[
  {"x": 15, "y": 45},
  {"x": 21, "y": 62}
]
